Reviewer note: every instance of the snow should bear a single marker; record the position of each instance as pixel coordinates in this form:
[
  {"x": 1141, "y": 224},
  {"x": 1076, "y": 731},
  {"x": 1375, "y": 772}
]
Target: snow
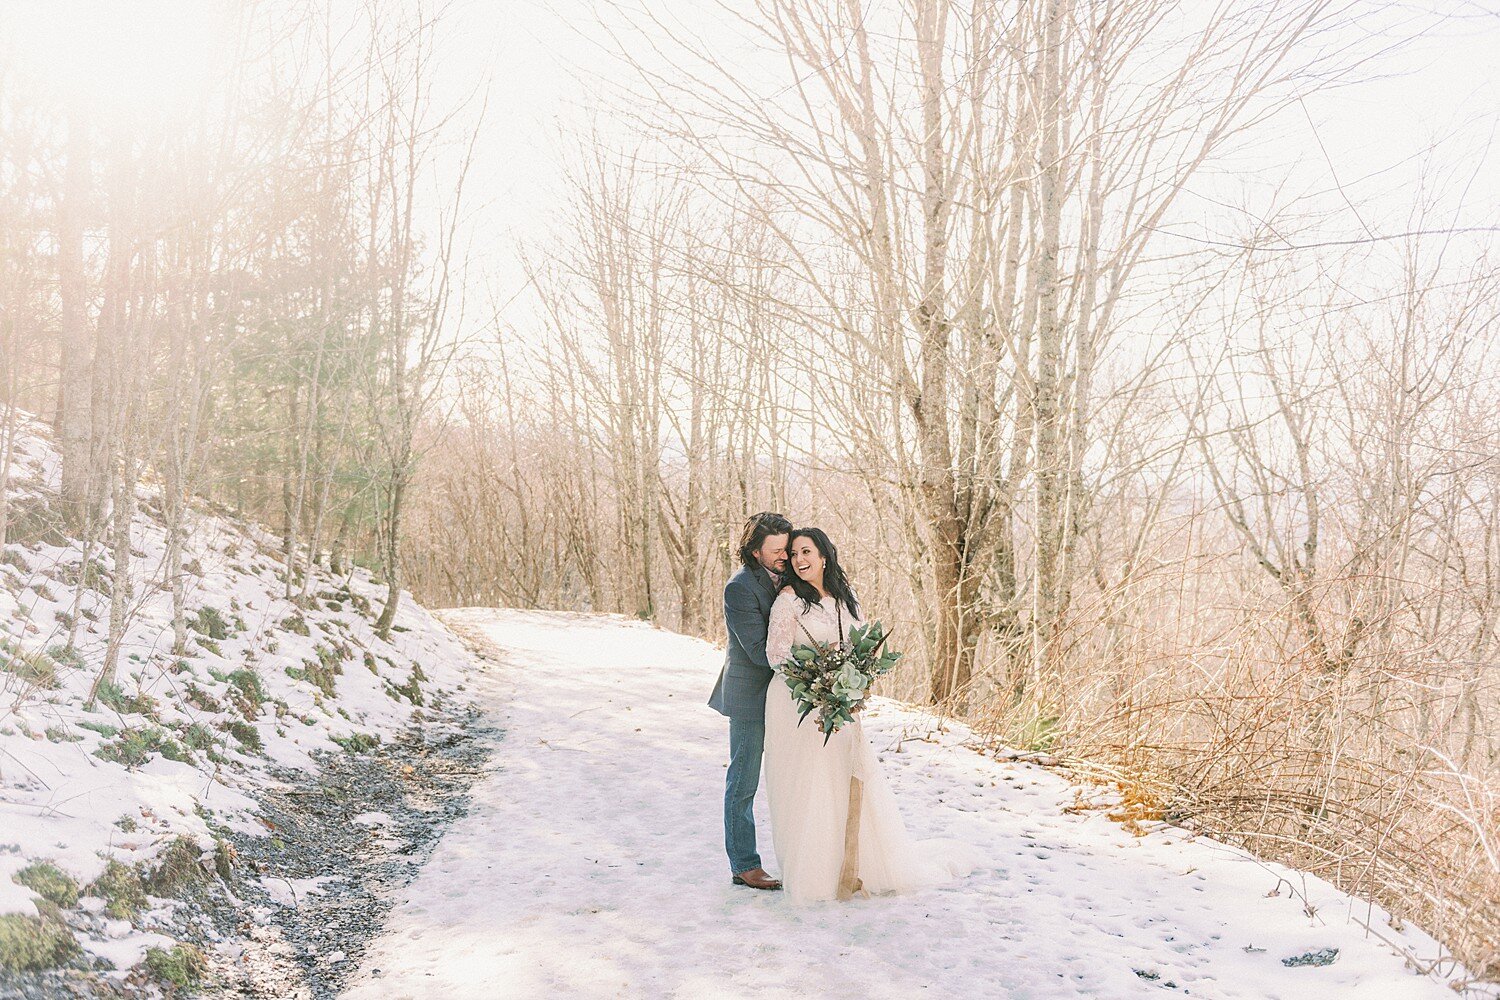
[
  {"x": 124, "y": 946},
  {"x": 291, "y": 891},
  {"x": 591, "y": 864},
  {"x": 591, "y": 861},
  {"x": 60, "y": 801}
]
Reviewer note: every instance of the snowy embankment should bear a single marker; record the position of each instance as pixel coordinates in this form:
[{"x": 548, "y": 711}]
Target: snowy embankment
[
  {"x": 590, "y": 865},
  {"x": 104, "y": 811}
]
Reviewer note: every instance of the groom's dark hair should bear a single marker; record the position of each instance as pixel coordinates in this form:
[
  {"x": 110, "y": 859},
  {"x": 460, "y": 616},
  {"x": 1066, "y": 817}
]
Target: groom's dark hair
[{"x": 757, "y": 529}]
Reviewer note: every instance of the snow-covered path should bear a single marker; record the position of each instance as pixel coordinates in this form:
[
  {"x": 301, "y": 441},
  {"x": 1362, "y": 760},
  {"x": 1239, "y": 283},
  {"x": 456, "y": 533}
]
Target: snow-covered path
[{"x": 591, "y": 865}]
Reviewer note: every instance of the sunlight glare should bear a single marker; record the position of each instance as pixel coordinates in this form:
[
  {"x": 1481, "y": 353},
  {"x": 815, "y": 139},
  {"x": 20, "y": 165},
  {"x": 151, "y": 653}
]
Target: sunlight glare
[{"x": 130, "y": 60}]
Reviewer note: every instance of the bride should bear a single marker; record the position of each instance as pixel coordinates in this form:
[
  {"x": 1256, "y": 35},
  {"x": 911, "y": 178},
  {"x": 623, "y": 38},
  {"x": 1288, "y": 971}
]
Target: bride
[{"x": 823, "y": 854}]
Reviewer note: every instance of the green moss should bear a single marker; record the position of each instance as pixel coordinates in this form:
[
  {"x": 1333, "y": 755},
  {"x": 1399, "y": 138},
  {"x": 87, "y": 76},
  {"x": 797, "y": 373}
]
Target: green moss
[
  {"x": 131, "y": 750},
  {"x": 411, "y": 690},
  {"x": 209, "y": 622},
  {"x": 96, "y": 577},
  {"x": 49, "y": 911},
  {"x": 1037, "y": 733},
  {"x": 247, "y": 692},
  {"x": 244, "y": 734},
  {"x": 102, "y": 728},
  {"x": 61, "y": 734},
  {"x": 322, "y": 671},
  {"x": 28, "y": 944},
  {"x": 357, "y": 742},
  {"x": 34, "y": 667},
  {"x": 295, "y": 623},
  {"x": 226, "y": 858},
  {"x": 110, "y": 694},
  {"x": 49, "y": 882},
  {"x": 197, "y": 736},
  {"x": 201, "y": 699},
  {"x": 177, "y": 867},
  {"x": 135, "y": 747},
  {"x": 66, "y": 656},
  {"x": 121, "y": 889},
  {"x": 32, "y": 521},
  {"x": 182, "y": 965}
]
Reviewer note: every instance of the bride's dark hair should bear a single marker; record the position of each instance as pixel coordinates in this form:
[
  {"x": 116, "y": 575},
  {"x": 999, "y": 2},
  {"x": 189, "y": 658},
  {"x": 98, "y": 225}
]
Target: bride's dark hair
[{"x": 834, "y": 580}]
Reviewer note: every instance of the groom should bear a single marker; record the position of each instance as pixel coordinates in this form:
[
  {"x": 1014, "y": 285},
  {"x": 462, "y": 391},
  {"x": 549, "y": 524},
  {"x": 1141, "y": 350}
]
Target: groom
[{"x": 741, "y": 689}]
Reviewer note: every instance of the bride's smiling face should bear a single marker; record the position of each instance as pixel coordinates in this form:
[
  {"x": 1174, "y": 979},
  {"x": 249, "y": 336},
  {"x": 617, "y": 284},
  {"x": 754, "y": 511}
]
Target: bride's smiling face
[{"x": 807, "y": 561}]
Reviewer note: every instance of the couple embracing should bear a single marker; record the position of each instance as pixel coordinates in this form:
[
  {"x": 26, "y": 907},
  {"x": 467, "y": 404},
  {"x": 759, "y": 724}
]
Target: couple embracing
[{"x": 835, "y": 825}]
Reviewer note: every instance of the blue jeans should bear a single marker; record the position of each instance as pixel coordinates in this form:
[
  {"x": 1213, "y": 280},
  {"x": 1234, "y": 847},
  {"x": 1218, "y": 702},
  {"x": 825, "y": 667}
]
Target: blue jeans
[{"x": 747, "y": 740}]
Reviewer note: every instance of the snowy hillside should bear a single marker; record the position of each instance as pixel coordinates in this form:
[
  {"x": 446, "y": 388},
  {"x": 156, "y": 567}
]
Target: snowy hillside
[
  {"x": 591, "y": 865},
  {"x": 94, "y": 804},
  {"x": 586, "y": 861}
]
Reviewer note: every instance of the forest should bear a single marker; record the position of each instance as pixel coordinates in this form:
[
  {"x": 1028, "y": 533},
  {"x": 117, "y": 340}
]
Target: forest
[{"x": 1159, "y": 464}]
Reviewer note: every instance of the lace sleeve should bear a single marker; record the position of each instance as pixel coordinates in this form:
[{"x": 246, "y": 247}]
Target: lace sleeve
[{"x": 782, "y": 631}]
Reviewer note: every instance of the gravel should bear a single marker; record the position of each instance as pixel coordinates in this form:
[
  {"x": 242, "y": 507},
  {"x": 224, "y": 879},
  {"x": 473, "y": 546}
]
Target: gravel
[
  {"x": 302, "y": 902},
  {"x": 339, "y": 851}
]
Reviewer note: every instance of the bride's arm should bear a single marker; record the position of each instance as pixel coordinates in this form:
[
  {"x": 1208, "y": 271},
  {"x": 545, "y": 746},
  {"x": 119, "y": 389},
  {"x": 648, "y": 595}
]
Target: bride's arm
[{"x": 782, "y": 630}]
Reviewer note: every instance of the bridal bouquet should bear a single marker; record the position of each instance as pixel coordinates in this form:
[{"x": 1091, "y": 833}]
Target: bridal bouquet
[{"x": 835, "y": 679}]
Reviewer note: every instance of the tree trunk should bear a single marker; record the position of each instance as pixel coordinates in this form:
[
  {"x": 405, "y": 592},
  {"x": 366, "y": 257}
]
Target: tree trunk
[
  {"x": 1047, "y": 413},
  {"x": 392, "y": 558},
  {"x": 122, "y": 591},
  {"x": 340, "y": 544},
  {"x": 76, "y": 353}
]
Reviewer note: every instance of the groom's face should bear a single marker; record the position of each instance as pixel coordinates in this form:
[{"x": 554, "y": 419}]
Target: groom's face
[{"x": 772, "y": 553}]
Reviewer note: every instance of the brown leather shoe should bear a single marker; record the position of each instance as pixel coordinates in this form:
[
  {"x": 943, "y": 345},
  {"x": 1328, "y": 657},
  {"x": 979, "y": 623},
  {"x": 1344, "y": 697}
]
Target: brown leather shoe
[{"x": 756, "y": 878}]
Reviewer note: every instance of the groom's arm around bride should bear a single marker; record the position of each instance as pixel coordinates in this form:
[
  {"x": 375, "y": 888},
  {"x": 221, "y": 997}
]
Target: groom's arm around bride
[{"x": 746, "y": 672}]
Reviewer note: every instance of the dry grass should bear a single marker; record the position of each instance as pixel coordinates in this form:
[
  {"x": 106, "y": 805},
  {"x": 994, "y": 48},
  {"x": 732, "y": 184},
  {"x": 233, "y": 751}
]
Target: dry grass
[{"x": 1349, "y": 781}]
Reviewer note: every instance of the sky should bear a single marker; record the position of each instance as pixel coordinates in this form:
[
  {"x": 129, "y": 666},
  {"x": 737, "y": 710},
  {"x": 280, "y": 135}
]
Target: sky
[
  {"x": 552, "y": 66},
  {"x": 548, "y": 71},
  {"x": 551, "y": 63}
]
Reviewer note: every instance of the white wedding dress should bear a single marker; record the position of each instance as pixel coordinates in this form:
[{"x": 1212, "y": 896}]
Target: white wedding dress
[{"x": 807, "y": 784}]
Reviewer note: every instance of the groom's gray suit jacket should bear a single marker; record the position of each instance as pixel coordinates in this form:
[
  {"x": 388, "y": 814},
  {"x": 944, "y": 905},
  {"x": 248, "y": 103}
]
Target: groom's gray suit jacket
[{"x": 741, "y": 689}]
